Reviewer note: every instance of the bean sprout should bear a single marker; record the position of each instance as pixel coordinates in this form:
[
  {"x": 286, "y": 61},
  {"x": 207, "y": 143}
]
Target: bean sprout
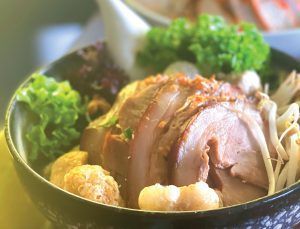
[
  {"x": 285, "y": 127},
  {"x": 294, "y": 159},
  {"x": 279, "y": 163},
  {"x": 282, "y": 178},
  {"x": 287, "y": 90},
  {"x": 271, "y": 108},
  {"x": 292, "y": 114}
]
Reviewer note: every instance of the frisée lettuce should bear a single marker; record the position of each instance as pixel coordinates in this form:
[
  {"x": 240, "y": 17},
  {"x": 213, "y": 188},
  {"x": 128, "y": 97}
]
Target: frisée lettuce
[{"x": 56, "y": 108}]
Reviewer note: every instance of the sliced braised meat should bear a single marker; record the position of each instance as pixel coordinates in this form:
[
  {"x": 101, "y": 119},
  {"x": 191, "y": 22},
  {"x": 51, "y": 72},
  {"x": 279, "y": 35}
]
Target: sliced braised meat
[
  {"x": 198, "y": 96},
  {"x": 92, "y": 141},
  {"x": 115, "y": 159},
  {"x": 234, "y": 190},
  {"x": 168, "y": 130},
  {"x": 168, "y": 100},
  {"x": 234, "y": 135},
  {"x": 92, "y": 138},
  {"x": 250, "y": 168},
  {"x": 162, "y": 124},
  {"x": 228, "y": 90},
  {"x": 135, "y": 106},
  {"x": 158, "y": 172},
  {"x": 182, "y": 128},
  {"x": 216, "y": 131}
]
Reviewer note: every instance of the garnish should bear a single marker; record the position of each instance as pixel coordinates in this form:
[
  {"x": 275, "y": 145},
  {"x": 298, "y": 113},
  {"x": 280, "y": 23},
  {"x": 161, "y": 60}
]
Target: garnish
[
  {"x": 57, "y": 109},
  {"x": 128, "y": 134},
  {"x": 210, "y": 43}
]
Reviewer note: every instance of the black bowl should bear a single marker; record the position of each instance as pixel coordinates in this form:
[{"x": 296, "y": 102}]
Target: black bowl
[{"x": 67, "y": 210}]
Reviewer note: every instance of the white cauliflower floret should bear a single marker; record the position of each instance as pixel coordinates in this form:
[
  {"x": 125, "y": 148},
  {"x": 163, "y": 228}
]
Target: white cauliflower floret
[
  {"x": 194, "y": 197},
  {"x": 64, "y": 164},
  {"x": 93, "y": 183}
]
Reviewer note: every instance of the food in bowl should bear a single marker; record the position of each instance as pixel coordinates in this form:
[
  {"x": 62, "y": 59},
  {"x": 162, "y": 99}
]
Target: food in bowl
[
  {"x": 170, "y": 140},
  {"x": 268, "y": 15}
]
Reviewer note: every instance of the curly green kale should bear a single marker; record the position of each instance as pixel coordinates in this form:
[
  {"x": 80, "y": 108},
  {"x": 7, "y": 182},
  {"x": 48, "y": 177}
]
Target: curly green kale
[
  {"x": 210, "y": 43},
  {"x": 57, "y": 109}
]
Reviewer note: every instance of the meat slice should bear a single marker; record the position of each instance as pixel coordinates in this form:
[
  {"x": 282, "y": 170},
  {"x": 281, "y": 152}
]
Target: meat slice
[
  {"x": 233, "y": 190},
  {"x": 115, "y": 159},
  {"x": 93, "y": 137},
  {"x": 168, "y": 131},
  {"x": 135, "y": 106},
  {"x": 169, "y": 99},
  {"x": 216, "y": 132},
  {"x": 244, "y": 168},
  {"x": 92, "y": 142},
  {"x": 173, "y": 129}
]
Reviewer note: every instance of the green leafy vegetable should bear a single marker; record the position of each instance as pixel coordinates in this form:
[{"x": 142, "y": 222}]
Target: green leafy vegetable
[
  {"x": 111, "y": 122},
  {"x": 57, "y": 109},
  {"x": 210, "y": 43},
  {"x": 128, "y": 133}
]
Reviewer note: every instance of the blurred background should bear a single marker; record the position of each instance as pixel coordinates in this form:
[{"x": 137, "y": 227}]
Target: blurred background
[{"x": 35, "y": 32}]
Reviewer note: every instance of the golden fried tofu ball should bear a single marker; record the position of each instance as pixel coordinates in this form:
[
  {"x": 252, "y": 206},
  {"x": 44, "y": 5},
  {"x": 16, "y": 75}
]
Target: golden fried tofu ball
[
  {"x": 194, "y": 197},
  {"x": 64, "y": 164},
  {"x": 93, "y": 183}
]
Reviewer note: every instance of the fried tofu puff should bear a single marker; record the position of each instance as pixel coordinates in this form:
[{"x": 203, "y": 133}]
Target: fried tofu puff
[
  {"x": 93, "y": 183},
  {"x": 194, "y": 197},
  {"x": 64, "y": 164}
]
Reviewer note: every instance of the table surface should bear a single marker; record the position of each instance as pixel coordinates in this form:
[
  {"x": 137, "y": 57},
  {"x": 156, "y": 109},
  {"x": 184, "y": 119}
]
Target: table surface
[
  {"x": 26, "y": 215},
  {"x": 16, "y": 209}
]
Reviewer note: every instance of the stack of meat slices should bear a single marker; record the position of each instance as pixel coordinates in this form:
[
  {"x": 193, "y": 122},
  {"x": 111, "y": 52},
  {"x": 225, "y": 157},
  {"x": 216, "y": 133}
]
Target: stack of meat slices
[{"x": 184, "y": 130}]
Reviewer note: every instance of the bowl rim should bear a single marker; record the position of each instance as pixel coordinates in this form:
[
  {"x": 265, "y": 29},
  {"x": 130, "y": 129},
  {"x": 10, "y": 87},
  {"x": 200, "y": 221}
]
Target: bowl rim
[{"x": 18, "y": 159}]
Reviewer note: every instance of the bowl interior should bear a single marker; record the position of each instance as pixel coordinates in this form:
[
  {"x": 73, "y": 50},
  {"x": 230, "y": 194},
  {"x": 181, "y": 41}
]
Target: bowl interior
[
  {"x": 85, "y": 69},
  {"x": 18, "y": 119}
]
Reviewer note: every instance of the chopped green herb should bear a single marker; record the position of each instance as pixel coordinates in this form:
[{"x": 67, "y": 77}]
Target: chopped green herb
[
  {"x": 56, "y": 108},
  {"x": 111, "y": 122},
  {"x": 210, "y": 43},
  {"x": 128, "y": 133}
]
